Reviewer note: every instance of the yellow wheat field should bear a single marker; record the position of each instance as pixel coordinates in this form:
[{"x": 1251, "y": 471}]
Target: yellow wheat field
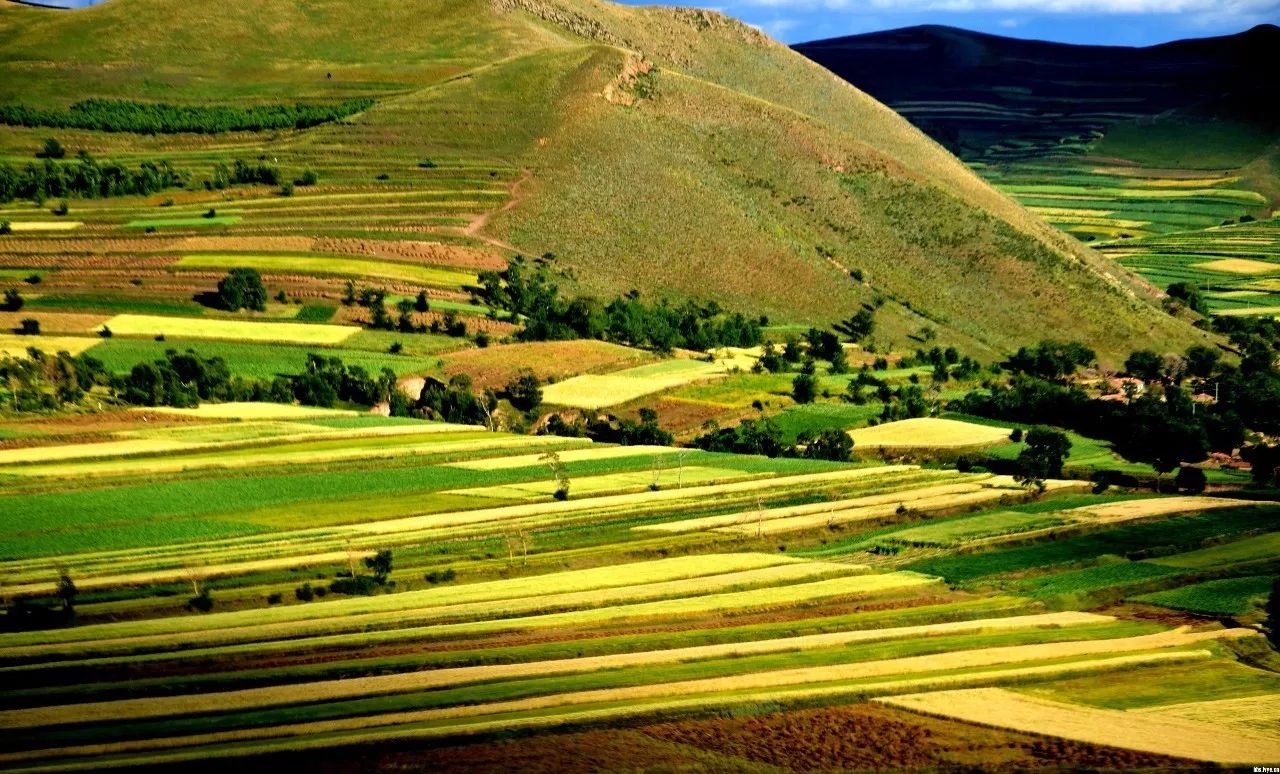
[
  {"x": 1198, "y": 740},
  {"x": 20, "y": 226},
  {"x": 252, "y": 411},
  {"x": 929, "y": 432},
  {"x": 89, "y": 450},
  {"x": 17, "y": 346},
  {"x": 1238, "y": 266},
  {"x": 1254, "y": 714},
  {"x": 1127, "y": 510},
  {"x": 235, "y": 330},
  {"x": 334, "y": 690}
]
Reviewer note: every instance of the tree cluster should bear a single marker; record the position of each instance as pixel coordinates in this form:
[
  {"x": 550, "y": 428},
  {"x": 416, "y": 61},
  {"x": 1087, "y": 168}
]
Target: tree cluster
[
  {"x": 87, "y": 178},
  {"x": 527, "y": 293},
  {"x": 117, "y": 115}
]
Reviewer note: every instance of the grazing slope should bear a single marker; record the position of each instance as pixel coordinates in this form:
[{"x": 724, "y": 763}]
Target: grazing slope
[
  {"x": 1144, "y": 151},
  {"x": 644, "y": 147}
]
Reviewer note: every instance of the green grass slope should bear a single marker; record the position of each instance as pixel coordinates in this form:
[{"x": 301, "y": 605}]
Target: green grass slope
[{"x": 678, "y": 152}]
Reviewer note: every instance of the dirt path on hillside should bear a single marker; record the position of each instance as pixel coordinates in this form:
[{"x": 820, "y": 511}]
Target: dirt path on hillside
[{"x": 479, "y": 222}]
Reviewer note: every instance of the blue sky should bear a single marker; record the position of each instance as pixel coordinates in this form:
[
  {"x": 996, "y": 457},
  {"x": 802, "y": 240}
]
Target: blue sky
[{"x": 1106, "y": 22}]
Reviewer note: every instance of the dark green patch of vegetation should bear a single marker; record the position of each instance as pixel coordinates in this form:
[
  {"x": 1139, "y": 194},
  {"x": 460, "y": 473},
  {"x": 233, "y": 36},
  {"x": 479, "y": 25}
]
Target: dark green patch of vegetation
[{"x": 117, "y": 115}]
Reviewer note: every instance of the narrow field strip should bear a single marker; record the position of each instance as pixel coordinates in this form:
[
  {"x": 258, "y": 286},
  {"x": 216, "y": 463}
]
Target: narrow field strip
[
  {"x": 855, "y": 586},
  {"x": 1254, "y": 714},
  {"x": 706, "y": 692},
  {"x": 1128, "y": 510},
  {"x": 827, "y": 507},
  {"x": 205, "y": 458},
  {"x": 333, "y": 690},
  {"x": 576, "y": 455},
  {"x": 1001, "y": 708},
  {"x": 636, "y": 573},
  {"x": 16, "y": 346},
  {"x": 239, "y": 330},
  {"x": 340, "y": 267},
  {"x": 73, "y": 451},
  {"x": 318, "y": 625}
]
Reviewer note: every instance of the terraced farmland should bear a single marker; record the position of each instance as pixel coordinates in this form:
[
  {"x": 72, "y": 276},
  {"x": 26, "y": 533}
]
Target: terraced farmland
[{"x": 505, "y": 608}]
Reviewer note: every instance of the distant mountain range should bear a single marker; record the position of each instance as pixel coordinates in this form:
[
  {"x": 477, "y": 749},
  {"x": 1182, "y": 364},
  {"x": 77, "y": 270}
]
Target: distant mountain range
[{"x": 974, "y": 92}]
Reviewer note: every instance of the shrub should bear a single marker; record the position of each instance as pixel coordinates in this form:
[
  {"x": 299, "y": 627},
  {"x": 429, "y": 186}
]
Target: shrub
[
  {"x": 29, "y": 327},
  {"x": 202, "y": 602},
  {"x": 275, "y": 599},
  {"x": 63, "y": 208},
  {"x": 6, "y": 227},
  {"x": 105, "y": 332},
  {"x": 309, "y": 178},
  {"x": 440, "y": 576},
  {"x": 33, "y": 279},
  {"x": 1190, "y": 480},
  {"x": 52, "y": 149},
  {"x": 13, "y": 300},
  {"x": 304, "y": 593},
  {"x": 286, "y": 189}
]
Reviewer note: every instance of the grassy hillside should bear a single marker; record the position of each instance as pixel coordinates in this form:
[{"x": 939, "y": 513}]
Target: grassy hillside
[
  {"x": 1109, "y": 144},
  {"x": 677, "y": 152}
]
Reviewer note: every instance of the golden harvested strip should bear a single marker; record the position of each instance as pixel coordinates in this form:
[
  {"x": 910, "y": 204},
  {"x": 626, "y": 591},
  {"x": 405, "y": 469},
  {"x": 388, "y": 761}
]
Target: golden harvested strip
[
  {"x": 937, "y": 502},
  {"x": 1238, "y": 266},
  {"x": 16, "y": 346},
  {"x": 575, "y": 455},
  {"x": 609, "y": 482},
  {"x": 635, "y": 573},
  {"x": 92, "y": 450},
  {"x": 1127, "y": 510},
  {"x": 1254, "y": 714},
  {"x": 20, "y": 226},
  {"x": 263, "y": 456},
  {"x": 179, "y": 575},
  {"x": 1000, "y": 708},
  {"x": 704, "y": 690},
  {"x": 319, "y": 625},
  {"x": 334, "y": 690},
  {"x": 930, "y": 432},
  {"x": 253, "y": 411},
  {"x": 235, "y": 330},
  {"x": 822, "y": 509}
]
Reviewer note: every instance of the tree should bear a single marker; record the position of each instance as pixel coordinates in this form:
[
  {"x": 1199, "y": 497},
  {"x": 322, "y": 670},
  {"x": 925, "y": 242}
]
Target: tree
[
  {"x": 5, "y": 227},
  {"x": 242, "y": 289},
  {"x": 12, "y": 300},
  {"x": 67, "y": 592},
  {"x": 1050, "y": 359},
  {"x": 1190, "y": 480},
  {"x": 1189, "y": 294},
  {"x": 1046, "y": 450},
  {"x": 859, "y": 326},
  {"x": 839, "y": 361},
  {"x": 420, "y": 304},
  {"x": 804, "y": 388},
  {"x": 1201, "y": 360},
  {"x": 29, "y": 327},
  {"x": 561, "y": 474},
  {"x": 1144, "y": 364},
  {"x": 830, "y": 444},
  {"x": 525, "y": 391},
  {"x": 380, "y": 565}
]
